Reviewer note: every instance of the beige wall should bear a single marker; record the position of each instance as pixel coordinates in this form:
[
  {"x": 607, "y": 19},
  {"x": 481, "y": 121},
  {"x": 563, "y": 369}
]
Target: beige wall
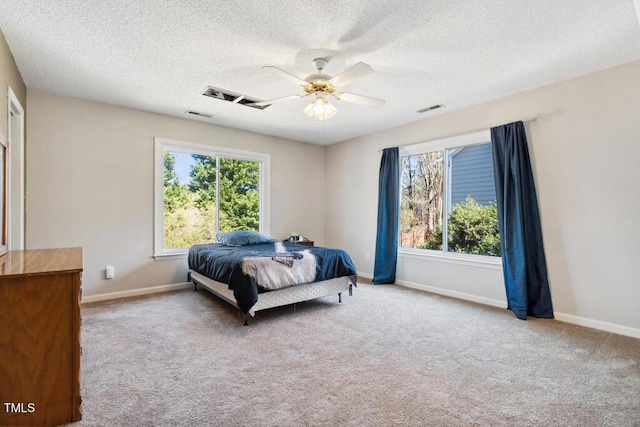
[
  {"x": 585, "y": 164},
  {"x": 90, "y": 171},
  {"x": 9, "y": 77}
]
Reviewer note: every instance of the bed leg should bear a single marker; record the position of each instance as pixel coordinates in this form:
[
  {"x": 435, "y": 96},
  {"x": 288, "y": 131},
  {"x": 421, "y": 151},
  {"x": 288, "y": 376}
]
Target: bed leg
[
  {"x": 350, "y": 289},
  {"x": 246, "y": 317},
  {"x": 340, "y": 297},
  {"x": 195, "y": 286}
]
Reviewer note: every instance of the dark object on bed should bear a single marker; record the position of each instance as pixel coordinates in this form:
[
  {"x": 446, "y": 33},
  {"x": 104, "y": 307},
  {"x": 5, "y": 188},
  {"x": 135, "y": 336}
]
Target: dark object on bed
[{"x": 257, "y": 268}]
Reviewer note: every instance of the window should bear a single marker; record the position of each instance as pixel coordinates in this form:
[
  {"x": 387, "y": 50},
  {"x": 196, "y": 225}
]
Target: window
[
  {"x": 202, "y": 190},
  {"x": 447, "y": 199}
]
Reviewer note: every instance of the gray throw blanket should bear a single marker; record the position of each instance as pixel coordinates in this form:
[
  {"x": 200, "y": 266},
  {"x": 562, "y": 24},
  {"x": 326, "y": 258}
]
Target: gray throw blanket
[{"x": 281, "y": 270}]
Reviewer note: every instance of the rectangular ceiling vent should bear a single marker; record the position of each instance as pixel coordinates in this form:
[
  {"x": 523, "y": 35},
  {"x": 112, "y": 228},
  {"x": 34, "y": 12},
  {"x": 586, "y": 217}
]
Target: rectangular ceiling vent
[
  {"x": 433, "y": 107},
  {"x": 236, "y": 98},
  {"x": 195, "y": 113}
]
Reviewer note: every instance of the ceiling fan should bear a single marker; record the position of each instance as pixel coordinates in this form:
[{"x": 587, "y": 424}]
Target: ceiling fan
[{"x": 322, "y": 85}]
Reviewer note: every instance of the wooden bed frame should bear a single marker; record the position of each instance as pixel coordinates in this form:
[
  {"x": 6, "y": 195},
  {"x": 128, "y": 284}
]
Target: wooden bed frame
[{"x": 279, "y": 297}]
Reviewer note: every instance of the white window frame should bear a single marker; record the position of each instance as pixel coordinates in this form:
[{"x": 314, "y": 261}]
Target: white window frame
[
  {"x": 443, "y": 144},
  {"x": 162, "y": 145}
]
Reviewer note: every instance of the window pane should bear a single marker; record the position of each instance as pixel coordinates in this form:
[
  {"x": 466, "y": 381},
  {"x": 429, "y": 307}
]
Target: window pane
[
  {"x": 239, "y": 195},
  {"x": 473, "y": 214},
  {"x": 421, "y": 209},
  {"x": 189, "y": 215},
  {"x": 200, "y": 190}
]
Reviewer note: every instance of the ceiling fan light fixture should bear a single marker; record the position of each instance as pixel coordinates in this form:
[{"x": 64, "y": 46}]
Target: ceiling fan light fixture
[
  {"x": 322, "y": 85},
  {"x": 320, "y": 109}
]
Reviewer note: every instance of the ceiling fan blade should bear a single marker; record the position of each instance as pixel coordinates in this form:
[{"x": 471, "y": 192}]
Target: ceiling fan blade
[
  {"x": 282, "y": 73},
  {"x": 273, "y": 101},
  {"x": 350, "y": 74},
  {"x": 362, "y": 100}
]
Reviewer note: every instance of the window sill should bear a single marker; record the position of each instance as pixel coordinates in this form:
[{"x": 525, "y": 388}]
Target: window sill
[
  {"x": 494, "y": 263},
  {"x": 168, "y": 256}
]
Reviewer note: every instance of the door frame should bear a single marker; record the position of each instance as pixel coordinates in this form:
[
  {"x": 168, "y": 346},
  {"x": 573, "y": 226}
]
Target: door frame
[{"x": 16, "y": 215}]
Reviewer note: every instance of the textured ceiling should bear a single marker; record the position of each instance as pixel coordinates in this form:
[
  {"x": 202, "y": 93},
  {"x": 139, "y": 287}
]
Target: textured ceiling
[{"x": 159, "y": 56}]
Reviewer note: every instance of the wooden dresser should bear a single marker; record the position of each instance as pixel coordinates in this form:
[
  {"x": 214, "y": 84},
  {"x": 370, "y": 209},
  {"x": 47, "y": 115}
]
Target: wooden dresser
[{"x": 40, "y": 337}]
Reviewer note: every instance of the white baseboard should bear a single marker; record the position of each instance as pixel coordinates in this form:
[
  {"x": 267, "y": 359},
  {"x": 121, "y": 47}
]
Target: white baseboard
[
  {"x": 597, "y": 324},
  {"x": 454, "y": 294},
  {"x": 446, "y": 292},
  {"x": 136, "y": 292},
  {"x": 562, "y": 317}
]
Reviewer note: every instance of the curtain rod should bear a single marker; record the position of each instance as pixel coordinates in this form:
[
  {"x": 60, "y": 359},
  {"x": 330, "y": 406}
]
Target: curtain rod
[{"x": 544, "y": 117}]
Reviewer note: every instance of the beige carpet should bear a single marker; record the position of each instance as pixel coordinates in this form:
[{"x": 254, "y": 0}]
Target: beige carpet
[{"x": 386, "y": 356}]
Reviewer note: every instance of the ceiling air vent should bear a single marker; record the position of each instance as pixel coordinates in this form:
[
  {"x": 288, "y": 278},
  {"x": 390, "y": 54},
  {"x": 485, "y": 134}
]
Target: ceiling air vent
[
  {"x": 236, "y": 98},
  {"x": 195, "y": 113},
  {"x": 433, "y": 107}
]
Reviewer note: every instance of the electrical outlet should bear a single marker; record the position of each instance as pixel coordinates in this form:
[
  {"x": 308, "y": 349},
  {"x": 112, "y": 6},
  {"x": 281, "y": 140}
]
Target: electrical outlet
[
  {"x": 109, "y": 272},
  {"x": 367, "y": 257}
]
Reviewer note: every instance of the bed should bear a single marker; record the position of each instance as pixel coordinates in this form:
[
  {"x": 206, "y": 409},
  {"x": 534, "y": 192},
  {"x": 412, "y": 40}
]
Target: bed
[{"x": 253, "y": 272}]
